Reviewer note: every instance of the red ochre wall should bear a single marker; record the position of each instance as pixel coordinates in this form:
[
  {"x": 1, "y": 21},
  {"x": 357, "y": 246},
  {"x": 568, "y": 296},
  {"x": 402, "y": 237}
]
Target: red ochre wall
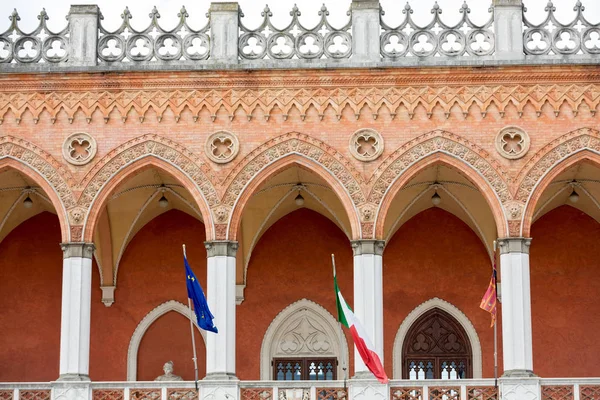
[
  {"x": 291, "y": 261},
  {"x": 435, "y": 254},
  {"x": 150, "y": 273},
  {"x": 30, "y": 301},
  {"x": 565, "y": 289}
]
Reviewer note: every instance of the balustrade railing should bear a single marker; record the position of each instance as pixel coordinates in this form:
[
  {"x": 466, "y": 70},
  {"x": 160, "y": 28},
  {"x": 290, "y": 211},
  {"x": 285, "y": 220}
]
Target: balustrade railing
[
  {"x": 365, "y": 38},
  {"x": 554, "y": 37}
]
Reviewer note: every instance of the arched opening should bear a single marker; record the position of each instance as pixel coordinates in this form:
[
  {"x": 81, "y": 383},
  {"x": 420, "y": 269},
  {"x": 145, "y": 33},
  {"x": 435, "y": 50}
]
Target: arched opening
[
  {"x": 437, "y": 347},
  {"x": 31, "y": 269},
  {"x": 439, "y": 231},
  {"x": 304, "y": 342},
  {"x": 564, "y": 267}
]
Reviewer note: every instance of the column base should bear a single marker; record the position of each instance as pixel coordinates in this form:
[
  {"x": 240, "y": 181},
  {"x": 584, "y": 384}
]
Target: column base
[
  {"x": 75, "y": 388},
  {"x": 367, "y": 389},
  {"x": 73, "y": 378},
  {"x": 519, "y": 373},
  {"x": 220, "y": 376}
]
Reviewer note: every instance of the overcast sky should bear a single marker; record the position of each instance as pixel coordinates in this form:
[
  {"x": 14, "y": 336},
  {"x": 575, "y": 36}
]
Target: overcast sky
[{"x": 168, "y": 9}]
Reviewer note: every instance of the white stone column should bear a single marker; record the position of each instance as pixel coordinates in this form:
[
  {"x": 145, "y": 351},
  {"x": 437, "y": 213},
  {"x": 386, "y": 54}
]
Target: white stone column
[
  {"x": 76, "y": 311},
  {"x": 83, "y": 35},
  {"x": 516, "y": 307},
  {"x": 508, "y": 29},
  {"x": 368, "y": 296},
  {"x": 221, "y": 296},
  {"x": 224, "y": 31},
  {"x": 365, "y": 30}
]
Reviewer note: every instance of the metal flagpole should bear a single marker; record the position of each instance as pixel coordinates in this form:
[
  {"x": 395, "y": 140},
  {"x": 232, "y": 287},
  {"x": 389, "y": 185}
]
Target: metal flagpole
[
  {"x": 193, "y": 338},
  {"x": 341, "y": 333},
  {"x": 496, "y": 325}
]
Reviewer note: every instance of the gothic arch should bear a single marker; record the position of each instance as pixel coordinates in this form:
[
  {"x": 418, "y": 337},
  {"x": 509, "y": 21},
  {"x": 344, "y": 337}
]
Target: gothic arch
[
  {"x": 292, "y": 317},
  {"x": 278, "y": 154},
  {"x": 43, "y": 169},
  {"x": 456, "y": 314},
  {"x": 142, "y": 152},
  {"x": 550, "y": 161},
  {"x": 140, "y": 331},
  {"x": 449, "y": 149}
]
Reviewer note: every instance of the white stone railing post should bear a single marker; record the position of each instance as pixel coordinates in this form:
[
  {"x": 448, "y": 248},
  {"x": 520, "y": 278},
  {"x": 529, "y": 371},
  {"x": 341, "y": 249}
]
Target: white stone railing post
[
  {"x": 508, "y": 29},
  {"x": 365, "y": 31},
  {"x": 83, "y": 35},
  {"x": 224, "y": 32}
]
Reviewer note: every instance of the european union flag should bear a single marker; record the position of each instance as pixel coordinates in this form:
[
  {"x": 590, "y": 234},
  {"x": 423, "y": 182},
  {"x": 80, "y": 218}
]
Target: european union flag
[{"x": 196, "y": 294}]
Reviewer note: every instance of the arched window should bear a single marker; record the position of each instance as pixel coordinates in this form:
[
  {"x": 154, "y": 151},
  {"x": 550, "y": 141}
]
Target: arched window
[
  {"x": 304, "y": 342},
  {"x": 437, "y": 347}
]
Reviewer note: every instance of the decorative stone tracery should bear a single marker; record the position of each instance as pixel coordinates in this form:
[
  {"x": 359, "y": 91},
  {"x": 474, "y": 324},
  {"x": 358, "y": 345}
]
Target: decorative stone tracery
[
  {"x": 79, "y": 148},
  {"x": 222, "y": 147},
  {"x": 366, "y": 145},
  {"x": 304, "y": 328},
  {"x": 512, "y": 142}
]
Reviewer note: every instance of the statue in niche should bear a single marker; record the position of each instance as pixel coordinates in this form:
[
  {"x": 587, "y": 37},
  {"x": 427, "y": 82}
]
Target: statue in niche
[{"x": 168, "y": 376}]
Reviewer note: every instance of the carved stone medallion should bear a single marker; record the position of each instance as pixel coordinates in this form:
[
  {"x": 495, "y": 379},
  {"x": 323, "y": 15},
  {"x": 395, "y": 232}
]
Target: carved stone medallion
[
  {"x": 512, "y": 142},
  {"x": 366, "y": 145},
  {"x": 222, "y": 147},
  {"x": 79, "y": 148}
]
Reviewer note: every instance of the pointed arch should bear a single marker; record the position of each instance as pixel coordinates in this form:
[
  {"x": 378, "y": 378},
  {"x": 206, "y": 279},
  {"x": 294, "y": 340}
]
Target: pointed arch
[
  {"x": 558, "y": 156},
  {"x": 149, "y": 319},
  {"x": 321, "y": 322},
  {"x": 439, "y": 147},
  {"x": 454, "y": 312},
  {"x": 282, "y": 153},
  {"x": 136, "y": 155},
  {"x": 45, "y": 171}
]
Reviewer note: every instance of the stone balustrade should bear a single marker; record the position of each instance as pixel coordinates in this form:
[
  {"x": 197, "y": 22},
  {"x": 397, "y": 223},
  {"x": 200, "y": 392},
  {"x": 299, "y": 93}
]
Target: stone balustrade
[{"x": 365, "y": 40}]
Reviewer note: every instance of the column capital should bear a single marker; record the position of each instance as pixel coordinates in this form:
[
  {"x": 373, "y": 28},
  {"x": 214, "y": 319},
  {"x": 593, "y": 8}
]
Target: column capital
[
  {"x": 231, "y": 6},
  {"x": 217, "y": 248},
  {"x": 78, "y": 249},
  {"x": 514, "y": 245},
  {"x": 360, "y": 247}
]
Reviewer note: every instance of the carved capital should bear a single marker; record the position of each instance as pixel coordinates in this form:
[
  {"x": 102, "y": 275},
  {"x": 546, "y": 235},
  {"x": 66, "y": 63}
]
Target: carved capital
[
  {"x": 514, "y": 245},
  {"x": 78, "y": 249},
  {"x": 225, "y": 248},
  {"x": 360, "y": 247}
]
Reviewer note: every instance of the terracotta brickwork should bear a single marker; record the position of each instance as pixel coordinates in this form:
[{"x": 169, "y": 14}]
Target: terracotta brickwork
[{"x": 164, "y": 119}]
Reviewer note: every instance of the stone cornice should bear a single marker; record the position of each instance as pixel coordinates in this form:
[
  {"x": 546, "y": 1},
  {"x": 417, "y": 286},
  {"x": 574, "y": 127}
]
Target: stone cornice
[{"x": 330, "y": 78}]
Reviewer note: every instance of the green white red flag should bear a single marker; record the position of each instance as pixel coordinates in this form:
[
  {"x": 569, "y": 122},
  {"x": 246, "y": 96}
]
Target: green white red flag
[{"x": 364, "y": 346}]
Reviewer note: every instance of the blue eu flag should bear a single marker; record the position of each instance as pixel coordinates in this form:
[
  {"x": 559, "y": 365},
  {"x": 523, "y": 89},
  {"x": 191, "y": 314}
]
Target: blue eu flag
[{"x": 195, "y": 293}]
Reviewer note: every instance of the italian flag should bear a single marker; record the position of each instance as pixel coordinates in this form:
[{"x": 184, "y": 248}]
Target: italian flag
[{"x": 362, "y": 342}]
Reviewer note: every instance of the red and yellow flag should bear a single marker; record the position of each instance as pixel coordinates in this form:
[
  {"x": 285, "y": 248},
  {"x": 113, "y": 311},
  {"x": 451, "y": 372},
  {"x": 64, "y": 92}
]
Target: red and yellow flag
[{"x": 488, "y": 302}]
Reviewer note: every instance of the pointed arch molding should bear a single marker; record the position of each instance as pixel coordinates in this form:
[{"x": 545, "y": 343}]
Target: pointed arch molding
[
  {"x": 303, "y": 314},
  {"x": 292, "y": 144},
  {"x": 153, "y": 146},
  {"x": 57, "y": 181},
  {"x": 456, "y": 314},
  {"x": 537, "y": 174},
  {"x": 140, "y": 331},
  {"x": 483, "y": 167}
]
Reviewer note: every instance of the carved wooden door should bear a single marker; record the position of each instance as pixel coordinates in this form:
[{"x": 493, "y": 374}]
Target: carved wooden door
[{"x": 437, "y": 347}]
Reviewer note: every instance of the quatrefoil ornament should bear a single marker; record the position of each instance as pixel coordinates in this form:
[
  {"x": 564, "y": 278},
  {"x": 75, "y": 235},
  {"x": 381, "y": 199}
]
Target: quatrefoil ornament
[
  {"x": 222, "y": 147},
  {"x": 79, "y": 148},
  {"x": 366, "y": 145},
  {"x": 512, "y": 142}
]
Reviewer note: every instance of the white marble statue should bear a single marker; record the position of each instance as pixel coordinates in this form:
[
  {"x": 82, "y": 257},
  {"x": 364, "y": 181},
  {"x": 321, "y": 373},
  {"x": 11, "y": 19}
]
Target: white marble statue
[{"x": 168, "y": 376}]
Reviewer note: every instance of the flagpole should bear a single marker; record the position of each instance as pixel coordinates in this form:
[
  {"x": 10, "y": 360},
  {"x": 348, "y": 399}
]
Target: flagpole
[
  {"x": 341, "y": 333},
  {"x": 496, "y": 326},
  {"x": 193, "y": 338}
]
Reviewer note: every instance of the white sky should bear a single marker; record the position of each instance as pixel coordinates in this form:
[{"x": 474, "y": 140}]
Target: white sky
[{"x": 168, "y": 9}]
